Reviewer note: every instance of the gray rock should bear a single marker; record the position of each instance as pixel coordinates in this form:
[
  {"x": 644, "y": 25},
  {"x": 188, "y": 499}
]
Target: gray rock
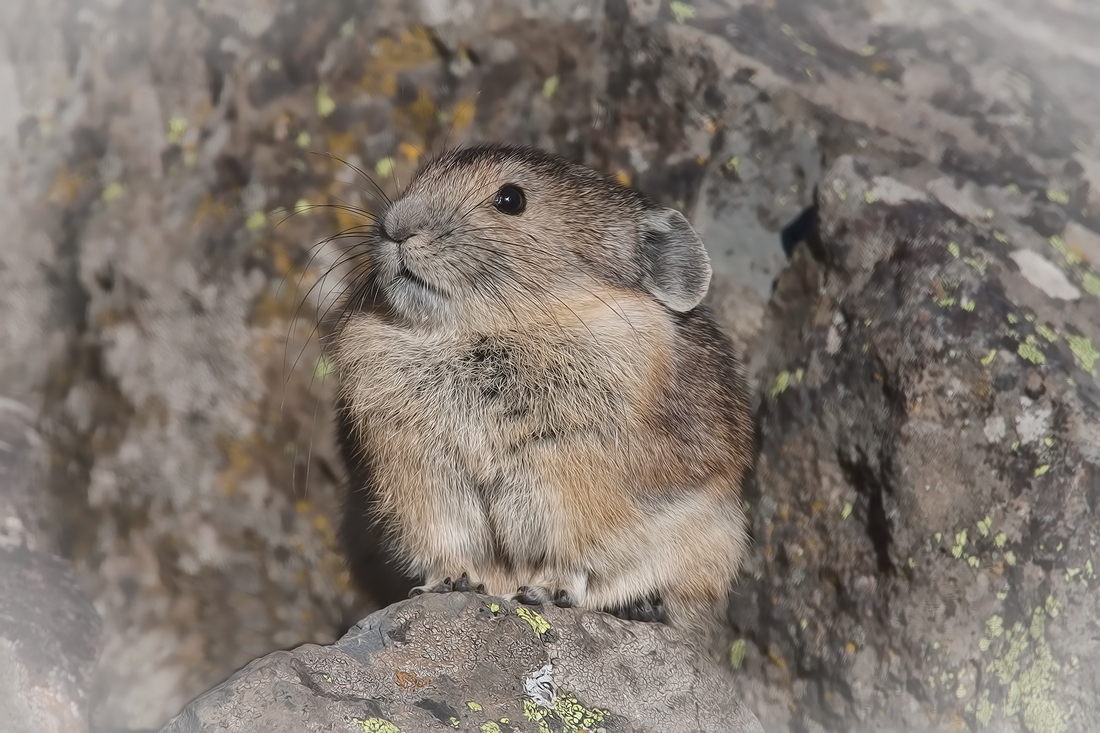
[
  {"x": 925, "y": 509},
  {"x": 49, "y": 631},
  {"x": 473, "y": 662}
]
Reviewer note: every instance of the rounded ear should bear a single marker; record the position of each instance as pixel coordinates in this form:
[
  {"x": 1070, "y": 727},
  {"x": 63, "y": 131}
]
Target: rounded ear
[{"x": 675, "y": 266}]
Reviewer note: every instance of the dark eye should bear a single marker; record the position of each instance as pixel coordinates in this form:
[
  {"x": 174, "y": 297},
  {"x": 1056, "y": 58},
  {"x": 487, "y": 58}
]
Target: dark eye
[{"x": 510, "y": 200}]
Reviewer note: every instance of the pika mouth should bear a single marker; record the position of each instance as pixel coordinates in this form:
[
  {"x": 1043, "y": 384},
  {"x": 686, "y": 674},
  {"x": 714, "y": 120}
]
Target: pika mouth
[{"x": 408, "y": 276}]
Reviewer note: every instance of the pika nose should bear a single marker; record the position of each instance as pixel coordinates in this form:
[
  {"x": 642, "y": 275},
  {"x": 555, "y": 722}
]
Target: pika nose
[
  {"x": 397, "y": 224},
  {"x": 392, "y": 231}
]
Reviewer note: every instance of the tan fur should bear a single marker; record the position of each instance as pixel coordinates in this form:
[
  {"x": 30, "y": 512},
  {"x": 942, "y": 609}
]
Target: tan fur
[{"x": 608, "y": 507}]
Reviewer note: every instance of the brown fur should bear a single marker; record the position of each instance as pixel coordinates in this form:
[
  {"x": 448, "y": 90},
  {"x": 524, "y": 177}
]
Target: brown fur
[{"x": 541, "y": 418}]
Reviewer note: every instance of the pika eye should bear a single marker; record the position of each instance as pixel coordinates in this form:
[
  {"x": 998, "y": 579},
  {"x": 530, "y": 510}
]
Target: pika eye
[{"x": 510, "y": 200}]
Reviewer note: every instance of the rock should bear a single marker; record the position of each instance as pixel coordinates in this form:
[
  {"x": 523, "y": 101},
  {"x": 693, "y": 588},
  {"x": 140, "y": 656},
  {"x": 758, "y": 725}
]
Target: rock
[
  {"x": 925, "y": 505},
  {"x": 478, "y": 663},
  {"x": 49, "y": 631}
]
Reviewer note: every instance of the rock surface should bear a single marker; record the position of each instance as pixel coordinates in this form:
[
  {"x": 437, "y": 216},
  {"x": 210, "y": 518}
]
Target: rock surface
[
  {"x": 926, "y": 502},
  {"x": 162, "y": 326},
  {"x": 472, "y": 662},
  {"x": 49, "y": 631}
]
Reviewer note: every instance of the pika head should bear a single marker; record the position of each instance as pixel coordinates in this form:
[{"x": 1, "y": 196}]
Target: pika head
[{"x": 483, "y": 233}]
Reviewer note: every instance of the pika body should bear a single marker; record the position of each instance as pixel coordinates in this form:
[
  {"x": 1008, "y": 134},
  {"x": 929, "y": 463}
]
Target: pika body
[{"x": 533, "y": 403}]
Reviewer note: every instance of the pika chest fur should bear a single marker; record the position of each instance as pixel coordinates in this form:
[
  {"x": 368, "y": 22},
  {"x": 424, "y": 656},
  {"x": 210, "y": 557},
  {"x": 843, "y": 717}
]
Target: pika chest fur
[{"x": 532, "y": 399}]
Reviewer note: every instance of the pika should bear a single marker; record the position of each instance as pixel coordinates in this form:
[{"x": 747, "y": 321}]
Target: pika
[{"x": 532, "y": 401}]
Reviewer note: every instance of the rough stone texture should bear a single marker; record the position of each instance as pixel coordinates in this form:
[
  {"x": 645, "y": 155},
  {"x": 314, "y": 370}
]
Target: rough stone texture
[
  {"x": 49, "y": 631},
  {"x": 479, "y": 663},
  {"x": 926, "y": 503},
  {"x": 158, "y": 320}
]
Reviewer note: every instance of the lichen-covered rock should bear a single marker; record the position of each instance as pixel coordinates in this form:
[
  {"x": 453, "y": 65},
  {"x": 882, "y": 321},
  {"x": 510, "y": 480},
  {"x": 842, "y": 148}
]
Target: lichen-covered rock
[
  {"x": 49, "y": 631},
  {"x": 472, "y": 662},
  {"x": 925, "y": 509}
]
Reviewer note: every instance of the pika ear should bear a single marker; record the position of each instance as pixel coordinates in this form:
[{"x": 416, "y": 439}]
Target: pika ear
[{"x": 675, "y": 265}]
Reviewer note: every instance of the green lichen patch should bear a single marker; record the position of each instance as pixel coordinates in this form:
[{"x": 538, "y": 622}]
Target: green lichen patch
[
  {"x": 737, "y": 653},
  {"x": 960, "y": 544},
  {"x": 1030, "y": 350},
  {"x": 681, "y": 11},
  {"x": 1086, "y": 353},
  {"x": 376, "y": 725},
  {"x": 567, "y": 710},
  {"x": 538, "y": 624},
  {"x": 1024, "y": 669}
]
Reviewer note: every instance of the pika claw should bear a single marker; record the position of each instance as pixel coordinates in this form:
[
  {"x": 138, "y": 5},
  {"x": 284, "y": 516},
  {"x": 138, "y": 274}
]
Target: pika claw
[
  {"x": 462, "y": 585},
  {"x": 530, "y": 595},
  {"x": 562, "y": 599}
]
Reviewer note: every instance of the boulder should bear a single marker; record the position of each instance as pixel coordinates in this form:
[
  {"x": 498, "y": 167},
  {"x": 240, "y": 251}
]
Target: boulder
[
  {"x": 925, "y": 505},
  {"x": 471, "y": 662},
  {"x": 49, "y": 631}
]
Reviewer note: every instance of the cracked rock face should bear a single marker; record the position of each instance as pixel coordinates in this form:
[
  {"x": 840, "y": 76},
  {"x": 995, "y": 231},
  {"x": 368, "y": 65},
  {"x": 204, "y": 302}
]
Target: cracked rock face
[
  {"x": 472, "y": 662},
  {"x": 925, "y": 507}
]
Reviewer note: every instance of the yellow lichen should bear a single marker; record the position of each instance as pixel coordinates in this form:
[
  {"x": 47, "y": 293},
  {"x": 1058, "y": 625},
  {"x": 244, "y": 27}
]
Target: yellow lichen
[
  {"x": 377, "y": 725},
  {"x": 846, "y": 511},
  {"x": 781, "y": 382},
  {"x": 984, "y": 526},
  {"x": 537, "y": 622},
  {"x": 681, "y": 11},
  {"x": 567, "y": 710},
  {"x": 954, "y": 250},
  {"x": 960, "y": 543},
  {"x": 489, "y": 727},
  {"x": 256, "y": 220},
  {"x": 326, "y": 105},
  {"x": 113, "y": 192},
  {"x": 550, "y": 86},
  {"x": 1082, "y": 348},
  {"x": 737, "y": 653},
  {"x": 1029, "y": 349},
  {"x": 1091, "y": 283},
  {"x": 474, "y": 706},
  {"x": 1000, "y": 539}
]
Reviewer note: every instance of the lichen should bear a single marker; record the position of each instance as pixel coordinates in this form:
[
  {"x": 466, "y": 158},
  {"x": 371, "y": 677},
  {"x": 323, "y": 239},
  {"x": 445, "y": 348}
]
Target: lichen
[
  {"x": 537, "y": 622},
  {"x": 781, "y": 382},
  {"x": 326, "y": 105},
  {"x": 960, "y": 543},
  {"x": 377, "y": 725},
  {"x": 1024, "y": 664},
  {"x": 575, "y": 718},
  {"x": 1086, "y": 354},
  {"x": 681, "y": 11},
  {"x": 550, "y": 86},
  {"x": 1091, "y": 283},
  {"x": 1029, "y": 349},
  {"x": 737, "y": 653}
]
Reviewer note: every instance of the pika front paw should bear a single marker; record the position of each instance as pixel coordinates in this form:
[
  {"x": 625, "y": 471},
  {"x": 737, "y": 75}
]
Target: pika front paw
[
  {"x": 463, "y": 585},
  {"x": 532, "y": 595}
]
